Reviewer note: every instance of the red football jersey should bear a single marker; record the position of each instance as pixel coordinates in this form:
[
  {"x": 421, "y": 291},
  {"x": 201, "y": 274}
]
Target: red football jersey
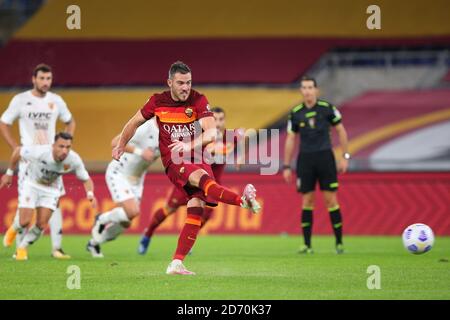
[{"x": 177, "y": 120}]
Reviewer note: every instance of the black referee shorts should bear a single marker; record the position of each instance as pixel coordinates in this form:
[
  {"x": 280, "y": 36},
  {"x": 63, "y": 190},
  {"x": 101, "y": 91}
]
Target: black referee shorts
[{"x": 316, "y": 166}]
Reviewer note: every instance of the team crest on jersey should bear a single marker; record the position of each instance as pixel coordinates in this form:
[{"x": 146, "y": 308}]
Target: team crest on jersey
[
  {"x": 51, "y": 105},
  {"x": 189, "y": 112},
  {"x": 312, "y": 122},
  {"x": 66, "y": 167},
  {"x": 182, "y": 170}
]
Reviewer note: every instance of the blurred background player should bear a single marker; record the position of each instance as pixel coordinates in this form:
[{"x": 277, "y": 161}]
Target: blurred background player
[
  {"x": 219, "y": 150},
  {"x": 186, "y": 126},
  {"x": 125, "y": 181},
  {"x": 316, "y": 163},
  {"x": 41, "y": 186},
  {"x": 37, "y": 111}
]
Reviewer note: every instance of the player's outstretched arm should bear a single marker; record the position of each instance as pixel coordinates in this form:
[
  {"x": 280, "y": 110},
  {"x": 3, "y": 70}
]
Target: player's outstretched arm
[
  {"x": 148, "y": 154},
  {"x": 89, "y": 188},
  {"x": 209, "y": 132},
  {"x": 70, "y": 127},
  {"x": 208, "y": 135},
  {"x": 127, "y": 133},
  {"x": 6, "y": 132},
  {"x": 6, "y": 179}
]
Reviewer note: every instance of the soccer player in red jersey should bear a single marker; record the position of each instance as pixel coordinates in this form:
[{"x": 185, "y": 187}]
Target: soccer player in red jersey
[
  {"x": 225, "y": 144},
  {"x": 186, "y": 126}
]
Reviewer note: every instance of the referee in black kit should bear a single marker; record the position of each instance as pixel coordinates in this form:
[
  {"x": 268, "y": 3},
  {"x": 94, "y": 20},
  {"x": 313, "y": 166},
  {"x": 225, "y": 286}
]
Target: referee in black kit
[{"x": 312, "y": 120}]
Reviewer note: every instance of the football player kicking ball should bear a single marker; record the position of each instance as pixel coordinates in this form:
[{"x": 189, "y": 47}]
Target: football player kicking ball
[
  {"x": 186, "y": 126},
  {"x": 125, "y": 180},
  {"x": 41, "y": 186},
  {"x": 219, "y": 149}
]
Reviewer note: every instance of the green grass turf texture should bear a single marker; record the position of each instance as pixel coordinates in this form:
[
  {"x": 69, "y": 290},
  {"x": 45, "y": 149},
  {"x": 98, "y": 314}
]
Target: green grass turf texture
[{"x": 231, "y": 267}]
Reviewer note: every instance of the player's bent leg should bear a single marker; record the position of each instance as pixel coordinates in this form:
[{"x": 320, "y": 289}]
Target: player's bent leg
[
  {"x": 335, "y": 218},
  {"x": 20, "y": 223},
  {"x": 207, "y": 212},
  {"x": 21, "y": 232},
  {"x": 307, "y": 221},
  {"x": 187, "y": 237},
  {"x": 132, "y": 209},
  {"x": 42, "y": 217},
  {"x": 109, "y": 225},
  {"x": 158, "y": 217},
  {"x": 55, "y": 225},
  {"x": 211, "y": 188},
  {"x": 117, "y": 215},
  {"x": 25, "y": 216}
]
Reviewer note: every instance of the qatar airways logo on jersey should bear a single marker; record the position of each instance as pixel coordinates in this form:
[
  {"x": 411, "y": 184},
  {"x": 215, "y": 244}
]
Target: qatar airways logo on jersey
[
  {"x": 40, "y": 116},
  {"x": 177, "y": 131}
]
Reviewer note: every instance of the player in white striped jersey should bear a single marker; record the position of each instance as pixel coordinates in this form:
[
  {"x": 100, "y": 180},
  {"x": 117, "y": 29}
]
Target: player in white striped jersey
[
  {"x": 125, "y": 180},
  {"x": 37, "y": 111},
  {"x": 41, "y": 186}
]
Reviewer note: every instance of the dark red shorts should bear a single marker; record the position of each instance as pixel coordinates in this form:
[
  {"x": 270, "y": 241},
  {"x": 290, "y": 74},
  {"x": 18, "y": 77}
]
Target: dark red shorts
[
  {"x": 177, "y": 198},
  {"x": 217, "y": 170},
  {"x": 179, "y": 175}
]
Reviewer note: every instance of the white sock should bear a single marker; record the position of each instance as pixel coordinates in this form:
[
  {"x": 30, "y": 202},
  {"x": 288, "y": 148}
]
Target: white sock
[
  {"x": 16, "y": 223},
  {"x": 20, "y": 230},
  {"x": 116, "y": 215},
  {"x": 112, "y": 231},
  {"x": 33, "y": 234},
  {"x": 55, "y": 224}
]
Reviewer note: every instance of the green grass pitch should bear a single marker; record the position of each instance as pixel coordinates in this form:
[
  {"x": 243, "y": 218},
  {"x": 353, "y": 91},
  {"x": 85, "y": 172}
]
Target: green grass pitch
[{"x": 231, "y": 267}]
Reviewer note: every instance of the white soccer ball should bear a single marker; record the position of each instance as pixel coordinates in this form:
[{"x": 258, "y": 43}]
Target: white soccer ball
[{"x": 418, "y": 238}]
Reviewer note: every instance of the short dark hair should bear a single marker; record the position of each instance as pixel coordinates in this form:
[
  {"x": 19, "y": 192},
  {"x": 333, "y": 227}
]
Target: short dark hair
[
  {"x": 63, "y": 135},
  {"x": 178, "y": 67},
  {"x": 217, "y": 110},
  {"x": 308, "y": 78},
  {"x": 41, "y": 67}
]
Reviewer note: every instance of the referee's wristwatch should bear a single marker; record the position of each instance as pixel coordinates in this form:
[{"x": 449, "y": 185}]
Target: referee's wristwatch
[{"x": 347, "y": 156}]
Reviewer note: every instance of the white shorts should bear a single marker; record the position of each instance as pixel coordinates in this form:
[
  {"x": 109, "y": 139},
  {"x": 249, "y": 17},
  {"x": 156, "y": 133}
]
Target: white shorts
[
  {"x": 21, "y": 176},
  {"x": 122, "y": 187},
  {"x": 34, "y": 197}
]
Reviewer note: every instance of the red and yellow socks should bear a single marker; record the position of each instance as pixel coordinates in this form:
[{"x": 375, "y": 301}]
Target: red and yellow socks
[
  {"x": 189, "y": 232},
  {"x": 159, "y": 216},
  {"x": 219, "y": 193}
]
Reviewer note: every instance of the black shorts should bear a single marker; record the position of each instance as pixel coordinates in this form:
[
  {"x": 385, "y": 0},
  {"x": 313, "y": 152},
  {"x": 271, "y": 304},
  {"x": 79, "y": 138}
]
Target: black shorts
[{"x": 316, "y": 166}]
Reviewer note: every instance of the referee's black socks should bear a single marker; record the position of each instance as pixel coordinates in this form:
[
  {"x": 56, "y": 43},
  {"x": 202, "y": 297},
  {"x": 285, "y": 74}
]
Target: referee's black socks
[
  {"x": 336, "y": 222},
  {"x": 307, "y": 221}
]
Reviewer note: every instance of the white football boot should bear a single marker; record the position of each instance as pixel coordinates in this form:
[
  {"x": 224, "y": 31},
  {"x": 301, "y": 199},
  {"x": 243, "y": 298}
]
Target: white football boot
[
  {"x": 249, "y": 199},
  {"x": 177, "y": 267}
]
